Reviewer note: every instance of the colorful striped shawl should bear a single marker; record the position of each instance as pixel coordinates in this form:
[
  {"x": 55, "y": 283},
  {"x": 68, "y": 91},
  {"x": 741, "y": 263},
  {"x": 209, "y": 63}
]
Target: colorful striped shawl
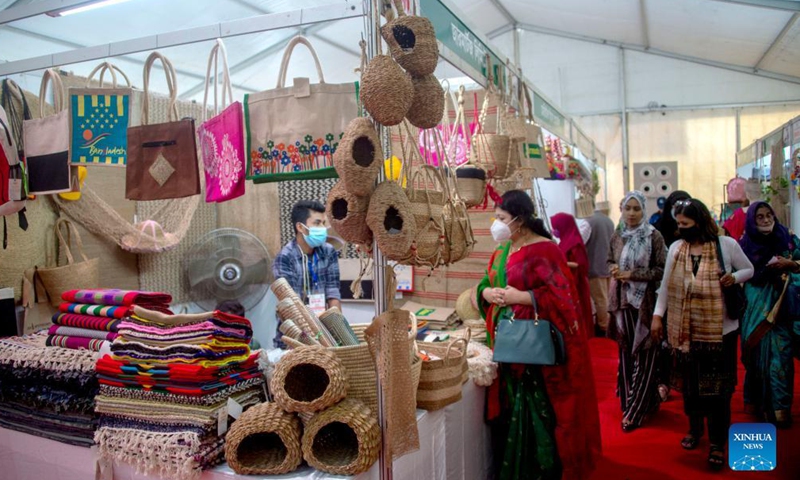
[
  {"x": 86, "y": 321},
  {"x": 95, "y": 310},
  {"x": 115, "y": 297},
  {"x": 81, "y": 332},
  {"x": 75, "y": 343}
]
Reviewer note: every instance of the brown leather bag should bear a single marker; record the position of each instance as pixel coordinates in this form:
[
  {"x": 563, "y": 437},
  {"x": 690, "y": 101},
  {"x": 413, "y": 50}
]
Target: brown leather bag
[{"x": 162, "y": 158}]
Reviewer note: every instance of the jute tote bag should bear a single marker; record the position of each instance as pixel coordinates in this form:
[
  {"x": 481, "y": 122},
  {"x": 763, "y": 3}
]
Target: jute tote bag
[{"x": 293, "y": 131}]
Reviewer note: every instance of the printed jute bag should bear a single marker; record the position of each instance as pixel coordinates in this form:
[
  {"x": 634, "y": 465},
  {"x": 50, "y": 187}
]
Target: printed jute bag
[
  {"x": 222, "y": 136},
  {"x": 292, "y": 132},
  {"x": 47, "y": 142},
  {"x": 99, "y": 119},
  {"x": 162, "y": 160}
]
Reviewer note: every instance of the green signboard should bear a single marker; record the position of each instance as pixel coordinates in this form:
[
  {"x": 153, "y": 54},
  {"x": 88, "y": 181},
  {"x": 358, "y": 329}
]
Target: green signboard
[
  {"x": 548, "y": 116},
  {"x": 457, "y": 37}
]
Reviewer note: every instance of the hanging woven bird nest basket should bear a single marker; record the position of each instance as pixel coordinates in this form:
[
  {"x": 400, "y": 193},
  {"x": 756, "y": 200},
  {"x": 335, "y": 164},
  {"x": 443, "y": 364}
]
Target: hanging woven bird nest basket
[
  {"x": 359, "y": 157},
  {"x": 308, "y": 379},
  {"x": 412, "y": 41},
  {"x": 391, "y": 220},
  {"x": 347, "y": 214},
  {"x": 265, "y": 440},
  {"x": 428, "y": 105},
  {"x": 342, "y": 440},
  {"x": 386, "y": 90}
]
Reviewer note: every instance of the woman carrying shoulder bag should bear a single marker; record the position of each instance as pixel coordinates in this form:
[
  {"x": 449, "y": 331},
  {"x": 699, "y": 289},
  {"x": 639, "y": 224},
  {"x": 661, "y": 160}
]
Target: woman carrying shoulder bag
[{"x": 701, "y": 332}]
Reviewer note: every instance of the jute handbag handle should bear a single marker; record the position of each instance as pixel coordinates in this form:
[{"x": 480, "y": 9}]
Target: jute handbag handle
[
  {"x": 59, "y": 99},
  {"x": 218, "y": 52},
  {"x": 110, "y": 68},
  {"x": 287, "y": 55},
  {"x": 70, "y": 230},
  {"x": 172, "y": 86}
]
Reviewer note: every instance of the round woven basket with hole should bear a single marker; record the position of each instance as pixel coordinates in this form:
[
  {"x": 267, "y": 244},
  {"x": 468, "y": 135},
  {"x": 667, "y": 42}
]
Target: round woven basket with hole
[
  {"x": 265, "y": 440},
  {"x": 391, "y": 220},
  {"x": 359, "y": 157},
  {"x": 347, "y": 214},
  {"x": 471, "y": 182},
  {"x": 308, "y": 379},
  {"x": 428, "y": 105},
  {"x": 386, "y": 91},
  {"x": 412, "y": 42},
  {"x": 342, "y": 440}
]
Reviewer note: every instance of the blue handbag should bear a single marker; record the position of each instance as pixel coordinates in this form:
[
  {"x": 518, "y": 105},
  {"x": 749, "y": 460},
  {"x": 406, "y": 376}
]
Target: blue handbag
[{"x": 530, "y": 342}]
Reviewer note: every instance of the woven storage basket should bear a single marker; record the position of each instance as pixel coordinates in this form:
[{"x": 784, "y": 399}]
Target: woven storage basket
[
  {"x": 342, "y": 440},
  {"x": 361, "y": 374},
  {"x": 74, "y": 275},
  {"x": 347, "y": 214},
  {"x": 492, "y": 152},
  {"x": 265, "y": 440},
  {"x": 427, "y": 195},
  {"x": 339, "y": 327},
  {"x": 458, "y": 231},
  {"x": 412, "y": 41},
  {"x": 471, "y": 184},
  {"x": 440, "y": 380},
  {"x": 308, "y": 379},
  {"x": 465, "y": 308},
  {"x": 358, "y": 158},
  {"x": 428, "y": 105},
  {"x": 391, "y": 220}
]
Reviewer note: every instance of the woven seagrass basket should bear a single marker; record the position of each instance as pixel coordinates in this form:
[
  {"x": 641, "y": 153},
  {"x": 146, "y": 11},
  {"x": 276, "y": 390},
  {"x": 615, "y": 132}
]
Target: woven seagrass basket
[
  {"x": 492, "y": 152},
  {"x": 265, "y": 440},
  {"x": 458, "y": 232},
  {"x": 347, "y": 214},
  {"x": 471, "y": 184},
  {"x": 386, "y": 90},
  {"x": 360, "y": 367},
  {"x": 359, "y": 157},
  {"x": 465, "y": 306},
  {"x": 441, "y": 380},
  {"x": 412, "y": 41},
  {"x": 391, "y": 220},
  {"x": 428, "y": 105},
  {"x": 427, "y": 194},
  {"x": 308, "y": 379},
  {"x": 342, "y": 440}
]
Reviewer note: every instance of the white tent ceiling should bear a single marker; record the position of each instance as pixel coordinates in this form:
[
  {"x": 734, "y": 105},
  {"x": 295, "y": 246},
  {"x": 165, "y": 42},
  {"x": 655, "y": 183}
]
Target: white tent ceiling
[{"x": 740, "y": 34}]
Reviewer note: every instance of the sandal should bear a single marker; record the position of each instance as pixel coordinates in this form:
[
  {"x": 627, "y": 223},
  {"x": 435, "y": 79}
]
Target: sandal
[
  {"x": 716, "y": 457},
  {"x": 690, "y": 441},
  {"x": 629, "y": 427}
]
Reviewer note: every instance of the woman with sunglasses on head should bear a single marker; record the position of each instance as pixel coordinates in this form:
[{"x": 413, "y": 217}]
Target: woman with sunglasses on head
[
  {"x": 544, "y": 419},
  {"x": 767, "y": 346},
  {"x": 636, "y": 260},
  {"x": 700, "y": 331}
]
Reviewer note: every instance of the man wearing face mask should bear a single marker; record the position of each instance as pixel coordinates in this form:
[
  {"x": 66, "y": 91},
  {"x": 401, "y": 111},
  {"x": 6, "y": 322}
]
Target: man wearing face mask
[{"x": 309, "y": 263}]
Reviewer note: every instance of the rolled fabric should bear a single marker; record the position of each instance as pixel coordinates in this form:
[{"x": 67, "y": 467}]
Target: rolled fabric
[
  {"x": 116, "y": 297},
  {"x": 75, "y": 343},
  {"x": 86, "y": 321},
  {"x": 81, "y": 332}
]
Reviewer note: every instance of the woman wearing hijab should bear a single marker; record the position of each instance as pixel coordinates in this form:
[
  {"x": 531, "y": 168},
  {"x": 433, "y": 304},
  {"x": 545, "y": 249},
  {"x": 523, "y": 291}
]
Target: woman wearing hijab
[
  {"x": 544, "y": 419},
  {"x": 767, "y": 345},
  {"x": 571, "y": 243},
  {"x": 667, "y": 226},
  {"x": 636, "y": 260},
  {"x": 701, "y": 333}
]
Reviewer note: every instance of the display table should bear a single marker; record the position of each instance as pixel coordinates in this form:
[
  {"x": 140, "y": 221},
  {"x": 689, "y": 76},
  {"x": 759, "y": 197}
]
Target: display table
[{"x": 454, "y": 444}]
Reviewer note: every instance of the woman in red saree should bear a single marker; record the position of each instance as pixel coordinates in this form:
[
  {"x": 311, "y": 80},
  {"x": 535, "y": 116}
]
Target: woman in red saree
[
  {"x": 565, "y": 228},
  {"x": 545, "y": 421}
]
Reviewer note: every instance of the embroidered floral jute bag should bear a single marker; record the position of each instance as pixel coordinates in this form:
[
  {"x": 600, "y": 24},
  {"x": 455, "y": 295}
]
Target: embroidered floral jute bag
[
  {"x": 293, "y": 131},
  {"x": 222, "y": 136},
  {"x": 162, "y": 162}
]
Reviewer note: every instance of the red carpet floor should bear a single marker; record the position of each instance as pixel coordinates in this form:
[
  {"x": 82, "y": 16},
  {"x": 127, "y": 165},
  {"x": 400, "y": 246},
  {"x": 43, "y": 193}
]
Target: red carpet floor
[{"x": 653, "y": 452}]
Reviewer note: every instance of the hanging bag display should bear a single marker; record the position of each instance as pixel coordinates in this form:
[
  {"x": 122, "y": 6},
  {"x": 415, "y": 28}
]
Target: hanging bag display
[
  {"x": 99, "y": 120},
  {"x": 491, "y": 151},
  {"x": 411, "y": 40},
  {"x": 162, "y": 161},
  {"x": 74, "y": 275},
  {"x": 47, "y": 142},
  {"x": 532, "y": 163},
  {"x": 530, "y": 342},
  {"x": 16, "y": 112},
  {"x": 293, "y": 132},
  {"x": 222, "y": 136},
  {"x": 12, "y": 194}
]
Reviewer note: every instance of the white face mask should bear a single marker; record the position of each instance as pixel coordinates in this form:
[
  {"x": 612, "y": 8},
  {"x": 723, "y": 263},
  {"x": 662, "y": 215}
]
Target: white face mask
[
  {"x": 766, "y": 229},
  {"x": 501, "y": 231}
]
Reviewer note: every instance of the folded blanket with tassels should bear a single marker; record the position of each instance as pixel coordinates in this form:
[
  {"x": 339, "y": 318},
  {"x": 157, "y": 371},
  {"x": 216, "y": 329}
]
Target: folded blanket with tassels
[
  {"x": 178, "y": 372},
  {"x": 86, "y": 321},
  {"x": 116, "y": 297},
  {"x": 76, "y": 343},
  {"x": 166, "y": 397},
  {"x": 197, "y": 333},
  {"x": 147, "y": 316},
  {"x": 211, "y": 354},
  {"x": 81, "y": 332}
]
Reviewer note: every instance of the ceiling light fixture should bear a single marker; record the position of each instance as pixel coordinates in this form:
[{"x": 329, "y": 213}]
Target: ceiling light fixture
[{"x": 84, "y": 8}]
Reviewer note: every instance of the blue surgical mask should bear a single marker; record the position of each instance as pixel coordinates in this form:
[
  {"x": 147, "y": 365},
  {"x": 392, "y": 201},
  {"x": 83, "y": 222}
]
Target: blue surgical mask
[{"x": 316, "y": 236}]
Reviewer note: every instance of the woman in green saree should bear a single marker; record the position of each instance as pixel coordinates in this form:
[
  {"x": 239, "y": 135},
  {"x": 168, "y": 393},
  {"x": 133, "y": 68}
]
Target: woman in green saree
[
  {"x": 545, "y": 421},
  {"x": 767, "y": 345}
]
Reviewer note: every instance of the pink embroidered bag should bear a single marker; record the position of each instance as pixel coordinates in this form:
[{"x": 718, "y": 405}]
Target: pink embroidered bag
[{"x": 222, "y": 136}]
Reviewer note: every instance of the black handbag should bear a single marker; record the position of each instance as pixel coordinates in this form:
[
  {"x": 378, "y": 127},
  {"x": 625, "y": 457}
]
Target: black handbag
[
  {"x": 735, "y": 301},
  {"x": 531, "y": 342}
]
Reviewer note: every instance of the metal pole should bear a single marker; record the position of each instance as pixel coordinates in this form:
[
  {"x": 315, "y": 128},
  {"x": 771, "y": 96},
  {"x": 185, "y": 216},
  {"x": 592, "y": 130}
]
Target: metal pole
[
  {"x": 378, "y": 280},
  {"x": 738, "y": 129},
  {"x": 517, "y": 60},
  {"x": 626, "y": 177}
]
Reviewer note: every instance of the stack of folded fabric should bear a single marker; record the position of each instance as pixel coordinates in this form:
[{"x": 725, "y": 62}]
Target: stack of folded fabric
[
  {"x": 89, "y": 319},
  {"x": 48, "y": 392},
  {"x": 165, "y": 386}
]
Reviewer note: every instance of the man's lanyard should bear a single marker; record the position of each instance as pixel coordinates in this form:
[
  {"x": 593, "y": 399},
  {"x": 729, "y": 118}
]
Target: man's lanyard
[{"x": 310, "y": 272}]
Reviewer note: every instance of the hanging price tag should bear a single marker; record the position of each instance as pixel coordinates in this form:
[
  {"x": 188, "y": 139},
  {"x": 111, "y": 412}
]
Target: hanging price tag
[
  {"x": 222, "y": 421},
  {"x": 234, "y": 408}
]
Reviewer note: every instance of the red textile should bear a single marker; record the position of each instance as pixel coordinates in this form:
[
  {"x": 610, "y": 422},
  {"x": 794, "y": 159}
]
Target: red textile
[
  {"x": 572, "y": 245},
  {"x": 542, "y": 267},
  {"x": 736, "y": 224}
]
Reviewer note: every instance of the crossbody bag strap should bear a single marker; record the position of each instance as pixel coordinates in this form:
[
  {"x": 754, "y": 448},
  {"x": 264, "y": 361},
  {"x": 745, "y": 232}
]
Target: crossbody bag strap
[
  {"x": 533, "y": 303},
  {"x": 720, "y": 259}
]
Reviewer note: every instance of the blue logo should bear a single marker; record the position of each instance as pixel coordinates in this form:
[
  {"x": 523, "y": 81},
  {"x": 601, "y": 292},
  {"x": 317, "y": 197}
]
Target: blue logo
[{"x": 752, "y": 447}]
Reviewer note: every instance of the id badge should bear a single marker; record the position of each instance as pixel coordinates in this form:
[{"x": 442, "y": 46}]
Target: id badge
[{"x": 316, "y": 302}]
